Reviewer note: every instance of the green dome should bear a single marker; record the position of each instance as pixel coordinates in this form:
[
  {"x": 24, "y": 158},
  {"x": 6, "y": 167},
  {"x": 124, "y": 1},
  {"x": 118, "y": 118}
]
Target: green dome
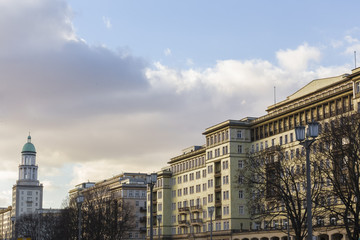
[{"x": 29, "y": 147}]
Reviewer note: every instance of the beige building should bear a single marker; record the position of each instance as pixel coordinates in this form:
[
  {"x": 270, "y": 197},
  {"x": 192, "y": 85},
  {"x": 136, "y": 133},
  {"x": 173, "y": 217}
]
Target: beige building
[
  {"x": 208, "y": 175},
  {"x": 6, "y": 223},
  {"x": 130, "y": 187}
]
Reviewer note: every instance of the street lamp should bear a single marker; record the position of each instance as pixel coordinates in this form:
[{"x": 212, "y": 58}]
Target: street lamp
[
  {"x": 306, "y": 141},
  {"x": 151, "y": 180},
  {"x": 13, "y": 219},
  {"x": 79, "y": 200},
  {"x": 159, "y": 221},
  {"x": 211, "y": 211}
]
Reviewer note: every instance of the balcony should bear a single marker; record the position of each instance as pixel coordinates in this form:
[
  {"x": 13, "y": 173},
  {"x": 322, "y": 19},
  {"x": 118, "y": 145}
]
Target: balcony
[
  {"x": 196, "y": 221},
  {"x": 143, "y": 229},
  {"x": 183, "y": 210},
  {"x": 196, "y": 208},
  {"x": 218, "y": 217},
  {"x": 218, "y": 188},
  {"x": 183, "y": 222},
  {"x": 142, "y": 209}
]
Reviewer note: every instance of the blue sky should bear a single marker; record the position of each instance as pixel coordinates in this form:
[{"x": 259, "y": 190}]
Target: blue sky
[
  {"x": 117, "y": 86},
  {"x": 206, "y": 31}
]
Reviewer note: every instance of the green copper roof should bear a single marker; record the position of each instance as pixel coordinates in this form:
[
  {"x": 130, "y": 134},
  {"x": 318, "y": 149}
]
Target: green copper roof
[{"x": 29, "y": 147}]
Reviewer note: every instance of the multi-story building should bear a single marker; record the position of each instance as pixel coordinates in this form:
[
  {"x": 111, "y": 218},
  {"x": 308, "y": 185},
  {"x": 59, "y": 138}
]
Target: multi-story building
[
  {"x": 210, "y": 175},
  {"x": 6, "y": 223},
  {"x": 28, "y": 192},
  {"x": 129, "y": 187}
]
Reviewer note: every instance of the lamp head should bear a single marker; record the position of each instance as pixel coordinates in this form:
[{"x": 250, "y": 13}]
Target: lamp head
[
  {"x": 313, "y": 129},
  {"x": 300, "y": 133}
]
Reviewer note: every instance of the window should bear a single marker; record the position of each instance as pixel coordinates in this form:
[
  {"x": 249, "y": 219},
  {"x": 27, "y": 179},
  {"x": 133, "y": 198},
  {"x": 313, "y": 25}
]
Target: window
[
  {"x": 185, "y": 191},
  {"x": 210, "y": 198},
  {"x": 179, "y": 192},
  {"x": 159, "y": 194},
  {"x": 191, "y": 176},
  {"x": 191, "y": 189},
  {"x": 159, "y": 207},
  {"x": 204, "y": 173},
  {"x": 241, "y": 164},
  {"x": 210, "y": 183},
  {"x": 225, "y": 164},
  {"x": 291, "y": 137},
  {"x": 240, "y": 148},
  {"x": 204, "y": 187},
  {"x": 179, "y": 180},
  {"x": 185, "y": 178},
  {"x": 273, "y": 142},
  {"x": 241, "y": 194},
  {"x": 226, "y": 210},
  {"x": 225, "y": 195},
  {"x": 198, "y": 188},
  {"x": 286, "y": 139},
  {"x": 225, "y": 179},
  {"x": 210, "y": 169},
  {"x": 197, "y": 174},
  {"x": 281, "y": 140},
  {"x": 241, "y": 179},
  {"x": 204, "y": 201},
  {"x": 241, "y": 210},
  {"x": 239, "y": 134}
]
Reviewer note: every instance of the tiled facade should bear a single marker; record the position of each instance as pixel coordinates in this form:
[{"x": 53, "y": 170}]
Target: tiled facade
[
  {"x": 209, "y": 175},
  {"x": 130, "y": 187}
]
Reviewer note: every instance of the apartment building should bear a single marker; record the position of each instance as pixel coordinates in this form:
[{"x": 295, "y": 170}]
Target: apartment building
[
  {"x": 129, "y": 187},
  {"x": 210, "y": 175},
  {"x": 6, "y": 223}
]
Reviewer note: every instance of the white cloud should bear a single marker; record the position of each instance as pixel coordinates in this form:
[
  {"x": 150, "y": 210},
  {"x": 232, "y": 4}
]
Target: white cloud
[
  {"x": 350, "y": 39},
  {"x": 167, "y": 52},
  {"x": 106, "y": 112},
  {"x": 107, "y": 22},
  {"x": 298, "y": 59}
]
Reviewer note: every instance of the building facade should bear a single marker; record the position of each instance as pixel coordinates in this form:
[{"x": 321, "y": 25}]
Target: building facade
[
  {"x": 210, "y": 175},
  {"x": 27, "y": 192},
  {"x": 128, "y": 187}
]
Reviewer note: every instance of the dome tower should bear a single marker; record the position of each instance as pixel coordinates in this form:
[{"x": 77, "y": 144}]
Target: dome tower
[{"x": 28, "y": 192}]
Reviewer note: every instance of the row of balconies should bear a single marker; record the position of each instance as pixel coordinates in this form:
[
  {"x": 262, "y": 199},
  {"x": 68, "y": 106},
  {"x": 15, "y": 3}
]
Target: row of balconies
[
  {"x": 195, "y": 221},
  {"x": 196, "y": 208}
]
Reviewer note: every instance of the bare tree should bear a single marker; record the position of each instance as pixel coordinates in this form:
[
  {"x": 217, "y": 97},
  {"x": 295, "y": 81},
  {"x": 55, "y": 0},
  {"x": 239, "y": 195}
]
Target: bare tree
[
  {"x": 38, "y": 226},
  {"x": 340, "y": 166},
  {"x": 104, "y": 216},
  {"x": 276, "y": 185}
]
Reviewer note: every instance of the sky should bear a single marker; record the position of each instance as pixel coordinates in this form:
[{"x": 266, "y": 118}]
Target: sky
[{"x": 113, "y": 86}]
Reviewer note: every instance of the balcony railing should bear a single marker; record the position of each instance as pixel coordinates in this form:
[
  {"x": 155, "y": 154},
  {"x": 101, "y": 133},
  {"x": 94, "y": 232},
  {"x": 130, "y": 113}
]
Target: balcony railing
[
  {"x": 183, "y": 209},
  {"x": 196, "y": 221},
  {"x": 196, "y": 208}
]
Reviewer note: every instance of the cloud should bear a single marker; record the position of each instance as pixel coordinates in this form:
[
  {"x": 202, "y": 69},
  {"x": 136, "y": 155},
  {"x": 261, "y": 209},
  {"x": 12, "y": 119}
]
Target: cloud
[
  {"x": 94, "y": 112},
  {"x": 107, "y": 22},
  {"x": 298, "y": 59},
  {"x": 167, "y": 52}
]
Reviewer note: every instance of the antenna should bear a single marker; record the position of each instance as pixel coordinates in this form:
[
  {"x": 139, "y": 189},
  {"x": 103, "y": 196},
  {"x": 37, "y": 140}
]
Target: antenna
[
  {"x": 355, "y": 58},
  {"x": 274, "y": 95}
]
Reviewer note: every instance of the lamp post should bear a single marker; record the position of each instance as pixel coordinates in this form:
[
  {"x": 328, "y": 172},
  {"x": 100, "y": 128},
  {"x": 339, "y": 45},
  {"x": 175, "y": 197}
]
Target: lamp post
[
  {"x": 151, "y": 180},
  {"x": 13, "y": 219},
  {"x": 79, "y": 200},
  {"x": 306, "y": 141},
  {"x": 211, "y": 211},
  {"x": 159, "y": 221}
]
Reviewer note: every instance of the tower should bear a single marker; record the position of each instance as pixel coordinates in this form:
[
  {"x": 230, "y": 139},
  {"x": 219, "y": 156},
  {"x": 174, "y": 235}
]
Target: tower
[{"x": 28, "y": 192}]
